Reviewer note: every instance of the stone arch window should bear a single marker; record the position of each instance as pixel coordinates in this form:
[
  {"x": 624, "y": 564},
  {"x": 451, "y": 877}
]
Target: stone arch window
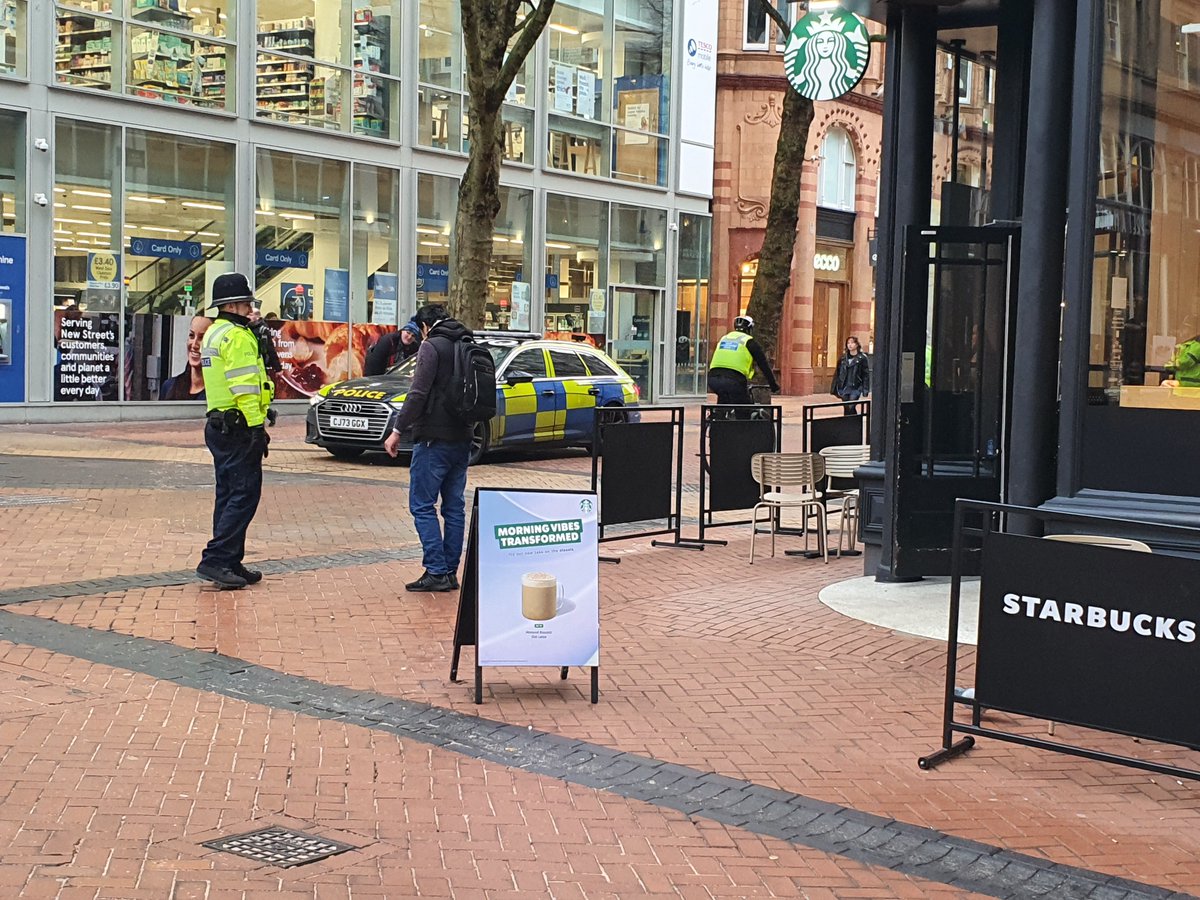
[{"x": 838, "y": 171}]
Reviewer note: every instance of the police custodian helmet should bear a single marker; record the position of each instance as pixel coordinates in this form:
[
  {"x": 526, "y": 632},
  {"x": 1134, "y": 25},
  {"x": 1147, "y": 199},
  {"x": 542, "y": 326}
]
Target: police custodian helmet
[{"x": 230, "y": 288}]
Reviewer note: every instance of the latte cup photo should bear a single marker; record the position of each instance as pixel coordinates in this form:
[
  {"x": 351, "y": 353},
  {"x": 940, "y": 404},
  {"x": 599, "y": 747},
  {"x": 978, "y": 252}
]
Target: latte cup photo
[{"x": 540, "y": 596}]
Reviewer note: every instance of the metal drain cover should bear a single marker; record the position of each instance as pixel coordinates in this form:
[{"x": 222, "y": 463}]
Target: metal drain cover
[
  {"x": 27, "y": 500},
  {"x": 279, "y": 846}
]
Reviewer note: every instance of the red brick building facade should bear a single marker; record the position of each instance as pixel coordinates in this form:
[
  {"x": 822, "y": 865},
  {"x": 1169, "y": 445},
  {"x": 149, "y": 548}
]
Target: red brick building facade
[{"x": 832, "y": 290}]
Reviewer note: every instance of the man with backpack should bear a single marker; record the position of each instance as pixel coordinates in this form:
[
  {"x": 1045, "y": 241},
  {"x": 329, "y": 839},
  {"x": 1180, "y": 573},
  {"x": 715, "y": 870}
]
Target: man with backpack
[{"x": 453, "y": 387}]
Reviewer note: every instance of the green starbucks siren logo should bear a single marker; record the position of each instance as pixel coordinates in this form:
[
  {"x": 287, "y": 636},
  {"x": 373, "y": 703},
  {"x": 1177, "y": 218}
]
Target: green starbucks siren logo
[{"x": 827, "y": 54}]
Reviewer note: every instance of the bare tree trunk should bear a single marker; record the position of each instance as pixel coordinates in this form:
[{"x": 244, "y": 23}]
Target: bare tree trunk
[
  {"x": 779, "y": 240},
  {"x": 478, "y": 206},
  {"x": 497, "y": 44}
]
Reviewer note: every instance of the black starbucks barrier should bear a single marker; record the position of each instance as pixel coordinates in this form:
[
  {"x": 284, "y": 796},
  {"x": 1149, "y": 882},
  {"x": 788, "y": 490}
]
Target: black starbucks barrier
[
  {"x": 851, "y": 426},
  {"x": 729, "y": 435},
  {"x": 1094, "y": 636},
  {"x": 637, "y": 471}
]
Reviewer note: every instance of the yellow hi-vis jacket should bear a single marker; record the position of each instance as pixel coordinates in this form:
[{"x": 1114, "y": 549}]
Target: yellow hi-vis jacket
[
  {"x": 234, "y": 374},
  {"x": 732, "y": 353}
]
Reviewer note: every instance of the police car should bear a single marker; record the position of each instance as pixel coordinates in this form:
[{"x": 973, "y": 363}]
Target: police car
[{"x": 546, "y": 392}]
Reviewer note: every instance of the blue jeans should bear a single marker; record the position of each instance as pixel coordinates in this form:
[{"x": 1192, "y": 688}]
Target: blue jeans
[
  {"x": 237, "y": 459},
  {"x": 439, "y": 467}
]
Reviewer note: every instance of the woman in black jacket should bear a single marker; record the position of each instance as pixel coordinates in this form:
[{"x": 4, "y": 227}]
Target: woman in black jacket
[{"x": 853, "y": 378}]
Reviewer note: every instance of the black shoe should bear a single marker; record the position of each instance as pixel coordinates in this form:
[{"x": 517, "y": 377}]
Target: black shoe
[
  {"x": 453, "y": 581},
  {"x": 220, "y": 575},
  {"x": 437, "y": 584},
  {"x": 252, "y": 576}
]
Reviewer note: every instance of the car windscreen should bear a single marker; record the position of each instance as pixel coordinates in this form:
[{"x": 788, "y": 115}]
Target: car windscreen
[{"x": 403, "y": 372}]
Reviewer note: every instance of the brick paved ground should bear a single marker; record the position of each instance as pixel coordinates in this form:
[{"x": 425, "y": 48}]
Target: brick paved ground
[{"x": 757, "y": 681}]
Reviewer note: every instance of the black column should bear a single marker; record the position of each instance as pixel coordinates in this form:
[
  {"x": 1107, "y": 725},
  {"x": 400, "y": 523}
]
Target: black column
[
  {"x": 1033, "y": 436},
  {"x": 907, "y": 189},
  {"x": 1014, "y": 32}
]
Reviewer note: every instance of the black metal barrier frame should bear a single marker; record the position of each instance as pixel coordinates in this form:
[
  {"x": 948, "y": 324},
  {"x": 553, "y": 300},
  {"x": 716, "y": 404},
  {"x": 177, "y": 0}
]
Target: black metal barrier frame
[
  {"x": 731, "y": 416},
  {"x": 862, "y": 409},
  {"x": 994, "y": 518},
  {"x": 625, "y": 479}
]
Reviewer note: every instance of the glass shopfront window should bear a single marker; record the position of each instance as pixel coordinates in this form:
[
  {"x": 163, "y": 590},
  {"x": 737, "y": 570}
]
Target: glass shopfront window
[
  {"x": 691, "y": 304},
  {"x": 375, "y": 297},
  {"x": 178, "y": 219},
  {"x": 510, "y": 295},
  {"x": 88, "y": 262},
  {"x": 135, "y": 249},
  {"x": 442, "y": 94},
  {"x": 609, "y": 89},
  {"x": 330, "y": 64},
  {"x": 12, "y": 37},
  {"x": 170, "y": 52},
  {"x": 12, "y": 172},
  {"x": 641, "y": 81},
  {"x": 302, "y": 269},
  {"x": 437, "y": 199},
  {"x": 1144, "y": 355},
  {"x": 579, "y": 62},
  {"x": 638, "y": 254},
  {"x": 576, "y": 263}
]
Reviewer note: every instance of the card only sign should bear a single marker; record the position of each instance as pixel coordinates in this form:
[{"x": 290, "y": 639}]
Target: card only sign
[
  {"x": 1094, "y": 636},
  {"x": 539, "y": 584}
]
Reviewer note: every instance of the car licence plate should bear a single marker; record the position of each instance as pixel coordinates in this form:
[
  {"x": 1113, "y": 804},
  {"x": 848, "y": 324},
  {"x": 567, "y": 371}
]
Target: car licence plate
[{"x": 350, "y": 423}]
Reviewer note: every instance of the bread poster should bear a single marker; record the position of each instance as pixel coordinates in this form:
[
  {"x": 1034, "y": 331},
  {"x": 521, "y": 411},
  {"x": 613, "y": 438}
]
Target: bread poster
[{"x": 315, "y": 354}]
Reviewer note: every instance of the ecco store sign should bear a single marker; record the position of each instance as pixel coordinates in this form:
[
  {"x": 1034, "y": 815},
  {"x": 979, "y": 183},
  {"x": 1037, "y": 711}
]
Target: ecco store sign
[
  {"x": 1095, "y": 636},
  {"x": 827, "y": 262}
]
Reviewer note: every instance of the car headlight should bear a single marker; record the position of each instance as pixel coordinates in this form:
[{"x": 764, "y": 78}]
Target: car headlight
[
  {"x": 396, "y": 404},
  {"x": 313, "y": 401}
]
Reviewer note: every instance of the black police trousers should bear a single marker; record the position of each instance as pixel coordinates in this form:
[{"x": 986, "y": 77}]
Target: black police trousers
[
  {"x": 729, "y": 386},
  {"x": 237, "y": 457}
]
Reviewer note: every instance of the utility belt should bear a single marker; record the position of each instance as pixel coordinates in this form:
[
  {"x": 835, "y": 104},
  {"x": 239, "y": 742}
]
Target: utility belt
[{"x": 228, "y": 421}]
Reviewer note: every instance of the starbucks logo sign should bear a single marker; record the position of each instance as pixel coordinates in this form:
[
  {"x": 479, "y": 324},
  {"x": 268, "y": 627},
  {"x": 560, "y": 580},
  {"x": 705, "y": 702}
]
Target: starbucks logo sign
[{"x": 827, "y": 54}]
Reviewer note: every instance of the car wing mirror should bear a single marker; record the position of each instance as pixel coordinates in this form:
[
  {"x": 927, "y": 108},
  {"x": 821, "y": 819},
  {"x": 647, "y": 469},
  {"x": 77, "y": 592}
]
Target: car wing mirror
[{"x": 518, "y": 377}]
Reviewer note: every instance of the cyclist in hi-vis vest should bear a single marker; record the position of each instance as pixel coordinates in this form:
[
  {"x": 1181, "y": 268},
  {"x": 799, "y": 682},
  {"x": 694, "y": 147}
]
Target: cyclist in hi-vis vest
[
  {"x": 737, "y": 357},
  {"x": 239, "y": 395}
]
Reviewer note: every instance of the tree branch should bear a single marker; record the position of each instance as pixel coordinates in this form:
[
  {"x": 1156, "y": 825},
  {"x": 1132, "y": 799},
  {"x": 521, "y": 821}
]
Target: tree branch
[
  {"x": 531, "y": 30},
  {"x": 777, "y": 17}
]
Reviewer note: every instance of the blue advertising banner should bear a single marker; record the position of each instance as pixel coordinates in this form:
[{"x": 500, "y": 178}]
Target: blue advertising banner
[
  {"x": 281, "y": 259},
  {"x": 337, "y": 296},
  {"x": 539, "y": 586},
  {"x": 12, "y": 319},
  {"x": 387, "y": 299},
  {"x": 433, "y": 279},
  {"x": 165, "y": 249}
]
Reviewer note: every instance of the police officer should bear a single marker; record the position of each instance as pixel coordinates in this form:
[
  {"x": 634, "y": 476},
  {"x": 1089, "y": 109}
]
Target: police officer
[
  {"x": 737, "y": 357},
  {"x": 239, "y": 395}
]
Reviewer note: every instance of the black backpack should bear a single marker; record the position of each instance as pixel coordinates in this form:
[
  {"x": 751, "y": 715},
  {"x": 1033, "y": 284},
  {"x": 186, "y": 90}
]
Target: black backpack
[{"x": 471, "y": 391}]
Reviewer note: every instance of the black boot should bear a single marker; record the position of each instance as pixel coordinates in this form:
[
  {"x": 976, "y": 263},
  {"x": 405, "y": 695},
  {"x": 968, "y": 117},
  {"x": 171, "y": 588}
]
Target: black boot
[
  {"x": 437, "y": 584},
  {"x": 252, "y": 576},
  {"x": 220, "y": 575}
]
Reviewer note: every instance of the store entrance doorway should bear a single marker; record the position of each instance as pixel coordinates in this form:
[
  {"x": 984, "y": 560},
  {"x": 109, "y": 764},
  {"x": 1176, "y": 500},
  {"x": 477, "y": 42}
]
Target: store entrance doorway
[
  {"x": 955, "y": 383},
  {"x": 830, "y": 328},
  {"x": 635, "y": 338}
]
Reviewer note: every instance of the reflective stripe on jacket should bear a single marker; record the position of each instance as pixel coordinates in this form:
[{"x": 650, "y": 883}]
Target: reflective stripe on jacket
[
  {"x": 732, "y": 353},
  {"x": 234, "y": 373}
]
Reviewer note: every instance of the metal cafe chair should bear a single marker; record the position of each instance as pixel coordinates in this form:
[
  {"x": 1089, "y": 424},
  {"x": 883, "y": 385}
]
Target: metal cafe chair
[
  {"x": 841, "y": 461},
  {"x": 789, "y": 480}
]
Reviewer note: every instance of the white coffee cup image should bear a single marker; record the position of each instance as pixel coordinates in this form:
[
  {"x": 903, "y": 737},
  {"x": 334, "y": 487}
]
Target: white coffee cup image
[{"x": 541, "y": 596}]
